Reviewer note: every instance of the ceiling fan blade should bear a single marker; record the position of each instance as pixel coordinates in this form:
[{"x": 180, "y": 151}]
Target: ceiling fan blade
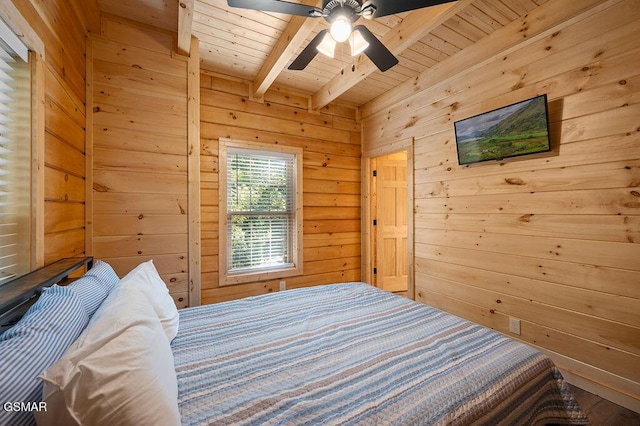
[
  {"x": 277, "y": 6},
  {"x": 377, "y": 52},
  {"x": 308, "y": 53},
  {"x": 386, "y": 7}
]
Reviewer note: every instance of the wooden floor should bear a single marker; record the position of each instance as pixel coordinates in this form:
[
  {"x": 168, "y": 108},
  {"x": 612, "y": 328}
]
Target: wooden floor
[{"x": 602, "y": 412}]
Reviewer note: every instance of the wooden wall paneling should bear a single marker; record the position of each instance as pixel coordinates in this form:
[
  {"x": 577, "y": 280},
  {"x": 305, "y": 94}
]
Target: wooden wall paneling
[
  {"x": 156, "y": 14},
  {"x": 60, "y": 124},
  {"x": 117, "y": 159},
  {"x": 617, "y": 147},
  {"x": 252, "y": 121},
  {"x": 545, "y": 54},
  {"x": 72, "y": 38},
  {"x": 549, "y": 239},
  {"x": 596, "y": 175},
  {"x": 106, "y": 202},
  {"x": 61, "y": 216},
  {"x": 509, "y": 39},
  {"x": 141, "y": 80},
  {"x": 131, "y": 224},
  {"x": 90, "y": 78},
  {"x": 332, "y": 200},
  {"x": 132, "y": 245},
  {"x": 67, "y": 63},
  {"x": 138, "y": 57},
  {"x": 57, "y": 92},
  {"x": 209, "y": 215},
  {"x": 63, "y": 244},
  {"x": 367, "y": 237},
  {"x": 64, "y": 171},
  {"x": 133, "y": 140},
  {"x": 331, "y": 173},
  {"x": 227, "y": 293},
  {"x": 600, "y": 279},
  {"x": 63, "y": 187},
  {"x": 61, "y": 156},
  {"x": 140, "y": 164},
  {"x": 123, "y": 30},
  {"x": 132, "y": 182},
  {"x": 128, "y": 97},
  {"x": 38, "y": 154},
  {"x": 193, "y": 177},
  {"x": 209, "y": 195},
  {"x": 615, "y": 228},
  {"x": 88, "y": 12},
  {"x": 165, "y": 123},
  {"x": 612, "y": 201},
  {"x": 320, "y": 154}
]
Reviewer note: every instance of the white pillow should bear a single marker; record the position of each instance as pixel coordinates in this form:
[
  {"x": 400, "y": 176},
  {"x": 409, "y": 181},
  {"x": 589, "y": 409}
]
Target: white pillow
[
  {"x": 145, "y": 278},
  {"x": 120, "y": 371}
]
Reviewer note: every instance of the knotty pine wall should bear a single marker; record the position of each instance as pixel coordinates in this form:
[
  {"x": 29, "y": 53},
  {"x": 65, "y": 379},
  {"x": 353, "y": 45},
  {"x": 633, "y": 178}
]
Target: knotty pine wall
[
  {"x": 62, "y": 27},
  {"x": 331, "y": 162},
  {"x": 138, "y": 120},
  {"x": 552, "y": 240}
]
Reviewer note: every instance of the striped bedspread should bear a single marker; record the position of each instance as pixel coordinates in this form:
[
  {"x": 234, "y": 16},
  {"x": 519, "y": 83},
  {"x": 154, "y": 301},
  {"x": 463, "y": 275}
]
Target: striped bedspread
[{"x": 352, "y": 354}]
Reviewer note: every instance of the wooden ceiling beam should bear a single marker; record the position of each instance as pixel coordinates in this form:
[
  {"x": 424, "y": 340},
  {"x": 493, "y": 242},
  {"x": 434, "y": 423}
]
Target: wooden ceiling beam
[
  {"x": 415, "y": 26},
  {"x": 185, "y": 21},
  {"x": 293, "y": 36}
]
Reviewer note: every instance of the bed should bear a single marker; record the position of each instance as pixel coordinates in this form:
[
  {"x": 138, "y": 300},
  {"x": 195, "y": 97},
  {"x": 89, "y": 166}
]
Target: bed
[{"x": 335, "y": 354}]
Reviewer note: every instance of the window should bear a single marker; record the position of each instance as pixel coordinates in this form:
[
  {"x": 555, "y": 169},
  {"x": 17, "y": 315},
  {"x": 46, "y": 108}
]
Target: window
[
  {"x": 261, "y": 214},
  {"x": 15, "y": 157}
]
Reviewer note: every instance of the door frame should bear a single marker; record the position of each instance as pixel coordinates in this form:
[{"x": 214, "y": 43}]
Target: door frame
[{"x": 367, "y": 234}]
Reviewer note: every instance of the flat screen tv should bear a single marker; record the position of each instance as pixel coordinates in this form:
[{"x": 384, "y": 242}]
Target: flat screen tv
[{"x": 517, "y": 129}]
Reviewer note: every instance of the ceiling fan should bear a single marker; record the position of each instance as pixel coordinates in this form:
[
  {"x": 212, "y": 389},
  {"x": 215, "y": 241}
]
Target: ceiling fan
[{"x": 341, "y": 14}]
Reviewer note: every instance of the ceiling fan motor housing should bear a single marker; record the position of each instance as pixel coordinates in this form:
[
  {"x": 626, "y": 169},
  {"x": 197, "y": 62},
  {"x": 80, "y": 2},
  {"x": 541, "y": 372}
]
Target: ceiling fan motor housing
[{"x": 349, "y": 9}]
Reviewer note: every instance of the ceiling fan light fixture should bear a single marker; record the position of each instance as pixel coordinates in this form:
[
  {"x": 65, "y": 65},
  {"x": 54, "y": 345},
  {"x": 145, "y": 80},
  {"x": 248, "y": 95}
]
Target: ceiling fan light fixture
[
  {"x": 340, "y": 29},
  {"x": 357, "y": 43},
  {"x": 327, "y": 46}
]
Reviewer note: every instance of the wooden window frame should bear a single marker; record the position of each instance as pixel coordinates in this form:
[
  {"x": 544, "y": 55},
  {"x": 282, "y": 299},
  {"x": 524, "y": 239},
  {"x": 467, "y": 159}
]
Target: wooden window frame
[{"x": 272, "y": 274}]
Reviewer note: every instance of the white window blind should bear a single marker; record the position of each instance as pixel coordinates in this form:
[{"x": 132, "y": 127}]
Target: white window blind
[
  {"x": 15, "y": 161},
  {"x": 260, "y": 210}
]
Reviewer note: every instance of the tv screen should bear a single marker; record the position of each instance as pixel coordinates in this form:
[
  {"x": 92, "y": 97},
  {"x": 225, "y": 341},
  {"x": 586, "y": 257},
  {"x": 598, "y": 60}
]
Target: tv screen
[{"x": 518, "y": 129}]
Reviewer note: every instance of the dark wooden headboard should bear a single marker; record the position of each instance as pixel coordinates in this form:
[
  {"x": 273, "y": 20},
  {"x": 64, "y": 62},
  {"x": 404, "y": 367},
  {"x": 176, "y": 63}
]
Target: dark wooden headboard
[{"x": 18, "y": 294}]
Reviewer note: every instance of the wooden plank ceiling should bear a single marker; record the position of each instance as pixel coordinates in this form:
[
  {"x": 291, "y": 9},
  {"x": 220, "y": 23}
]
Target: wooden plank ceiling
[{"x": 259, "y": 46}]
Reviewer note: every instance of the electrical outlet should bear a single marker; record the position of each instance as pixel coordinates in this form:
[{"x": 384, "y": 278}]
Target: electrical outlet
[
  {"x": 514, "y": 325},
  {"x": 283, "y": 285}
]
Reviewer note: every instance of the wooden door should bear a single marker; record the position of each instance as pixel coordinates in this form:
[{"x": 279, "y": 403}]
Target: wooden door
[{"x": 391, "y": 222}]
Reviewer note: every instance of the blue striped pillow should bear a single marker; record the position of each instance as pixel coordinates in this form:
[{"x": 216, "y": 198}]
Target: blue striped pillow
[
  {"x": 35, "y": 343},
  {"x": 95, "y": 285}
]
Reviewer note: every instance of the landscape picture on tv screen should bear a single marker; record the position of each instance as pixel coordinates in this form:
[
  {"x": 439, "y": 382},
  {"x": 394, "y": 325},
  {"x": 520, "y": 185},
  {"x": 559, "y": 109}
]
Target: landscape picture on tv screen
[{"x": 518, "y": 129}]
